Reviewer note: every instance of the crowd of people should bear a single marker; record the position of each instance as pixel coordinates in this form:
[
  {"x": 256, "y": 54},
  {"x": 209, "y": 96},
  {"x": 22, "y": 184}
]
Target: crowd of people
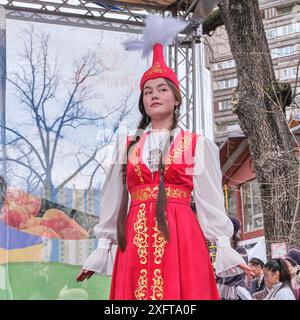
[{"x": 277, "y": 279}]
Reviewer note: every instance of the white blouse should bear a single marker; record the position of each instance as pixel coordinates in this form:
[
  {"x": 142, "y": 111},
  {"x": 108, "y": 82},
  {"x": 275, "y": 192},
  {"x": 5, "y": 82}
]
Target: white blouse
[{"x": 208, "y": 197}]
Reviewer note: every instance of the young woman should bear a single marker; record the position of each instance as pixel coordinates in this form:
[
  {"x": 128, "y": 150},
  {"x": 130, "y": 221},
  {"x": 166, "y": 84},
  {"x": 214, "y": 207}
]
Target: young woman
[
  {"x": 277, "y": 277},
  {"x": 162, "y": 251},
  {"x": 227, "y": 286},
  {"x": 292, "y": 260}
]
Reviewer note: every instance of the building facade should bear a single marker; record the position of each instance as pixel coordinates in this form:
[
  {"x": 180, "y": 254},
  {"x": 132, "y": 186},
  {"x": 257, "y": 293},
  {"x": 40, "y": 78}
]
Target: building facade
[{"x": 282, "y": 25}]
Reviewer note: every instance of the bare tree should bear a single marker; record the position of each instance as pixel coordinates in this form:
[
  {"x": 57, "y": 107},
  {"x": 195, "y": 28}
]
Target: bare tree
[
  {"x": 261, "y": 117},
  {"x": 36, "y": 84}
]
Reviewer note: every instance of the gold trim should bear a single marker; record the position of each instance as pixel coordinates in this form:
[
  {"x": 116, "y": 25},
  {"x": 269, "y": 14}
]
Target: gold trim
[
  {"x": 177, "y": 151},
  {"x": 141, "y": 292},
  {"x": 140, "y": 239},
  {"x": 158, "y": 244},
  {"x": 136, "y": 164},
  {"x": 152, "y": 192},
  {"x": 156, "y": 68},
  {"x": 177, "y": 193},
  {"x": 158, "y": 287},
  {"x": 138, "y": 171}
]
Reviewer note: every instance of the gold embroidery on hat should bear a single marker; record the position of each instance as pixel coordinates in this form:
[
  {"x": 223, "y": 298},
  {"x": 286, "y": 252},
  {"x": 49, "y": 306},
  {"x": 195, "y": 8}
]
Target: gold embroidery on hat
[{"x": 156, "y": 68}]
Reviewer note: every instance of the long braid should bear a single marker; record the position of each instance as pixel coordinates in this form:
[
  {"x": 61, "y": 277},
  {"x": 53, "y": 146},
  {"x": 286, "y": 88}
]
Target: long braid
[{"x": 161, "y": 201}]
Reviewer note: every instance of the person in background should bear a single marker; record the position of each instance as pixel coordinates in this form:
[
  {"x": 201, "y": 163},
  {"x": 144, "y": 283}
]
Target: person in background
[
  {"x": 278, "y": 283},
  {"x": 292, "y": 260},
  {"x": 258, "y": 283},
  {"x": 227, "y": 285},
  {"x": 278, "y": 277}
]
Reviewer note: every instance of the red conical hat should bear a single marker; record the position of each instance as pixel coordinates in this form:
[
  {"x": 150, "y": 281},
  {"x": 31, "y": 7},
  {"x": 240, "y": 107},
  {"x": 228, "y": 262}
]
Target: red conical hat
[
  {"x": 158, "y": 32},
  {"x": 159, "y": 69}
]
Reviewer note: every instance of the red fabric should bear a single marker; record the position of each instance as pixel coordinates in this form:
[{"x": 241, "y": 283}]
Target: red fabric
[
  {"x": 148, "y": 268},
  {"x": 159, "y": 69}
]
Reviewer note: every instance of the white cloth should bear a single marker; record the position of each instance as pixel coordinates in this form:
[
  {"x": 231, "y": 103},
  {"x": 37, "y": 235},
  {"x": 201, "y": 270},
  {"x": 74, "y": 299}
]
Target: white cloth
[
  {"x": 209, "y": 200},
  {"x": 101, "y": 259},
  {"x": 243, "y": 293},
  {"x": 278, "y": 293}
]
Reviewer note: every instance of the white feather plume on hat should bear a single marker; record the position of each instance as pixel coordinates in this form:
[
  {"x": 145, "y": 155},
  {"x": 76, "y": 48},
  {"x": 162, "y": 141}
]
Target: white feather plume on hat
[{"x": 157, "y": 30}]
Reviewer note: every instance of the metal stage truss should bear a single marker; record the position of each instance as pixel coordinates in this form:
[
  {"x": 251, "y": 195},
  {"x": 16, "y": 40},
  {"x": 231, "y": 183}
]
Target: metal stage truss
[{"x": 128, "y": 16}]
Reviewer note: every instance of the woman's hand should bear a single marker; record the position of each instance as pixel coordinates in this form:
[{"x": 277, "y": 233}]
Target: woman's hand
[
  {"x": 84, "y": 274},
  {"x": 248, "y": 270}
]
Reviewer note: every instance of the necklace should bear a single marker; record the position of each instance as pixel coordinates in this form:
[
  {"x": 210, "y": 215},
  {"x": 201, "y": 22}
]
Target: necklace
[{"x": 156, "y": 143}]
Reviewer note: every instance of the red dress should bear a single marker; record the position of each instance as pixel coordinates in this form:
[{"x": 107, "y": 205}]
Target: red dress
[{"x": 150, "y": 267}]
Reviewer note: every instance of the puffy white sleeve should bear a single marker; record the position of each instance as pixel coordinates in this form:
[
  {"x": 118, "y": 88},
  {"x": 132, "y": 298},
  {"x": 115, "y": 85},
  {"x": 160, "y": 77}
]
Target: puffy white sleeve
[
  {"x": 101, "y": 259},
  {"x": 209, "y": 200}
]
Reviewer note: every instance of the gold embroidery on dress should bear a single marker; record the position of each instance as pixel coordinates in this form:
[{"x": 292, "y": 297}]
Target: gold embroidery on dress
[
  {"x": 177, "y": 151},
  {"x": 152, "y": 192},
  {"x": 136, "y": 163},
  {"x": 140, "y": 239},
  {"x": 158, "y": 244},
  {"x": 157, "y": 287},
  {"x": 141, "y": 292},
  {"x": 176, "y": 193},
  {"x": 138, "y": 171}
]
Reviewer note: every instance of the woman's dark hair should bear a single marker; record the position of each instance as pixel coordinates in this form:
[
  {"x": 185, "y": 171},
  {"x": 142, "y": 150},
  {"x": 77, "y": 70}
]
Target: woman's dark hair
[
  {"x": 257, "y": 262},
  {"x": 280, "y": 266},
  {"x": 235, "y": 239},
  {"x": 161, "y": 197}
]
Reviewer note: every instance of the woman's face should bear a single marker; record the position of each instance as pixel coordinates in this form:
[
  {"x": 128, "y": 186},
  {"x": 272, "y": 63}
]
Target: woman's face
[
  {"x": 256, "y": 268},
  {"x": 270, "y": 277},
  {"x": 158, "y": 98}
]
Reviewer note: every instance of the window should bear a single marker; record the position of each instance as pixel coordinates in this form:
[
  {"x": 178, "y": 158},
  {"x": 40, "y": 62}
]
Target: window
[
  {"x": 283, "y": 51},
  {"x": 287, "y": 29},
  {"x": 225, "y": 84},
  {"x": 270, "y": 13},
  {"x": 252, "y": 206},
  {"x": 271, "y": 33},
  {"x": 288, "y": 73},
  {"x": 225, "y": 105},
  {"x": 282, "y": 31},
  {"x": 232, "y": 83},
  {"x": 224, "y": 65},
  {"x": 230, "y": 201}
]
